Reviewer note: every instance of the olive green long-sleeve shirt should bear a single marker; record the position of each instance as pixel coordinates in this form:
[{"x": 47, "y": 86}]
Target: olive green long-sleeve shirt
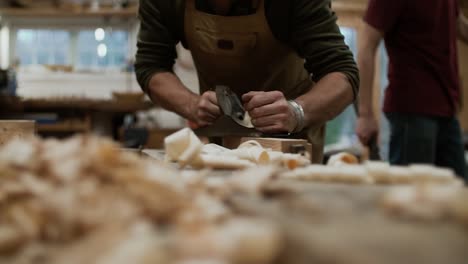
[{"x": 308, "y": 26}]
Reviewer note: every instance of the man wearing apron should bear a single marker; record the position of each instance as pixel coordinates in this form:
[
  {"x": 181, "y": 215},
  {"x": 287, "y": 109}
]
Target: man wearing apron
[{"x": 287, "y": 60}]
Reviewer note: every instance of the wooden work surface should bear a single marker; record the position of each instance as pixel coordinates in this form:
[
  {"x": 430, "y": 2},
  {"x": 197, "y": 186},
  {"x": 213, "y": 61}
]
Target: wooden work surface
[
  {"x": 339, "y": 223},
  {"x": 330, "y": 223}
]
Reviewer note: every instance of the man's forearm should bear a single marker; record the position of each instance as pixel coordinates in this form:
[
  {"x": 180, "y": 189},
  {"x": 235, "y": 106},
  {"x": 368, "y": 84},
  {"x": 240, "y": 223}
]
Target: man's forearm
[
  {"x": 327, "y": 99},
  {"x": 169, "y": 92},
  {"x": 366, "y": 64}
]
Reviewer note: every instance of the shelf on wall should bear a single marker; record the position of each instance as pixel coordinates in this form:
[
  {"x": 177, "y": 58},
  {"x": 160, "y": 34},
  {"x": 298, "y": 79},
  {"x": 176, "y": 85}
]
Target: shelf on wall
[
  {"x": 70, "y": 125},
  {"x": 63, "y": 127},
  {"x": 65, "y": 13}
]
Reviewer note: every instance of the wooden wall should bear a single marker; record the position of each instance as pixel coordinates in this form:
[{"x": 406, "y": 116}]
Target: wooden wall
[{"x": 350, "y": 14}]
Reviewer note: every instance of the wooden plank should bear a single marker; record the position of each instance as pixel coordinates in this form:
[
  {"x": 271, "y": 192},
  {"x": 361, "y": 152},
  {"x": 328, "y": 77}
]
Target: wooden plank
[
  {"x": 63, "y": 127},
  {"x": 285, "y": 145}
]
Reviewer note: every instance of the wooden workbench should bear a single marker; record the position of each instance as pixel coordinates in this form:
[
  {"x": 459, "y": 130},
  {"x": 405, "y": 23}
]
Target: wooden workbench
[
  {"x": 346, "y": 224},
  {"x": 83, "y": 114}
]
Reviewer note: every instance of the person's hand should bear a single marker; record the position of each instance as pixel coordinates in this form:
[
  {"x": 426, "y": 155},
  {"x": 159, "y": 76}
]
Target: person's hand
[
  {"x": 270, "y": 112},
  {"x": 205, "y": 109},
  {"x": 367, "y": 127}
]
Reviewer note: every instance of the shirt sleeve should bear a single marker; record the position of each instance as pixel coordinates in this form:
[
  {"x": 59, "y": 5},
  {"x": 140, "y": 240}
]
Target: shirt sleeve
[
  {"x": 384, "y": 14},
  {"x": 316, "y": 37},
  {"x": 157, "y": 39}
]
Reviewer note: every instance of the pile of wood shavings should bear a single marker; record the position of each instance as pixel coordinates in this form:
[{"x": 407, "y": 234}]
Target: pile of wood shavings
[
  {"x": 83, "y": 200},
  {"x": 345, "y": 168},
  {"x": 428, "y": 203},
  {"x": 185, "y": 148}
]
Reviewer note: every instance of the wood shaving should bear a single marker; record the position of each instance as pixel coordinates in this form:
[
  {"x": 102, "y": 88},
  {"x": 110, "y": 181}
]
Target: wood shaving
[
  {"x": 428, "y": 203},
  {"x": 343, "y": 159},
  {"x": 184, "y": 148}
]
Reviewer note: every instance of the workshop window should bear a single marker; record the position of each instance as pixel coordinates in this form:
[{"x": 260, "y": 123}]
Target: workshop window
[
  {"x": 102, "y": 48},
  {"x": 42, "y": 47},
  {"x": 341, "y": 130},
  {"x": 84, "y": 49}
]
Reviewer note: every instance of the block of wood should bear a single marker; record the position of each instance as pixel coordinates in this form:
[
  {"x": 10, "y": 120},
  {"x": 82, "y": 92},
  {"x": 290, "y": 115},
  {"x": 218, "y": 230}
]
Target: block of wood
[
  {"x": 285, "y": 145},
  {"x": 10, "y": 129}
]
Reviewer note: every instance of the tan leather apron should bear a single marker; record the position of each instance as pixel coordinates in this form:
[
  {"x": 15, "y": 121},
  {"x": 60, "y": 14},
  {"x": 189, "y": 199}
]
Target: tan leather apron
[{"x": 241, "y": 52}]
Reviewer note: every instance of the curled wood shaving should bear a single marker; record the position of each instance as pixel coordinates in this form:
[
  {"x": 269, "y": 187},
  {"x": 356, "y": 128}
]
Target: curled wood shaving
[{"x": 184, "y": 148}]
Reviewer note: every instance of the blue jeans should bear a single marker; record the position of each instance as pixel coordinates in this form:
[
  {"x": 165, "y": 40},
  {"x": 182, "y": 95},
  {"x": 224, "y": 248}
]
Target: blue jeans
[{"x": 419, "y": 139}]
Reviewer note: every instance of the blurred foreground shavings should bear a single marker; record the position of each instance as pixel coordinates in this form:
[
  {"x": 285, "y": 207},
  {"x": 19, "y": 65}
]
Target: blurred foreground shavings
[{"x": 83, "y": 200}]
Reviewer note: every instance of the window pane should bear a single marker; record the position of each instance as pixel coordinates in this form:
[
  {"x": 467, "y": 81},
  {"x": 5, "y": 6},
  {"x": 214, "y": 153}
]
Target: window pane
[
  {"x": 25, "y": 40},
  {"x": 26, "y": 36},
  {"x": 42, "y": 46},
  {"x": 43, "y": 57},
  {"x": 45, "y": 38},
  {"x": 60, "y": 58},
  {"x": 115, "y": 41},
  {"x": 25, "y": 58},
  {"x": 86, "y": 59}
]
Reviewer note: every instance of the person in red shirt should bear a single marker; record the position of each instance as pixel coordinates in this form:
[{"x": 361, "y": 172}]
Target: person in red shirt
[{"x": 423, "y": 95}]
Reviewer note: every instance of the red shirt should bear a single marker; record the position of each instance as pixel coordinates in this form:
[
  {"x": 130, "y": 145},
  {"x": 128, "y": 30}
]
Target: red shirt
[{"x": 420, "y": 37}]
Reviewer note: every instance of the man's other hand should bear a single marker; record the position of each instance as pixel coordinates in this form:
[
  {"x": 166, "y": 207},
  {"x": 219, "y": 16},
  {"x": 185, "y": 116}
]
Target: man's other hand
[
  {"x": 205, "y": 109},
  {"x": 270, "y": 112},
  {"x": 367, "y": 127}
]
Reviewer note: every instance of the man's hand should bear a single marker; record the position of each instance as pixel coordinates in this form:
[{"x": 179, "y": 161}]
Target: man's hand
[
  {"x": 463, "y": 27},
  {"x": 270, "y": 112},
  {"x": 205, "y": 109},
  {"x": 367, "y": 127}
]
